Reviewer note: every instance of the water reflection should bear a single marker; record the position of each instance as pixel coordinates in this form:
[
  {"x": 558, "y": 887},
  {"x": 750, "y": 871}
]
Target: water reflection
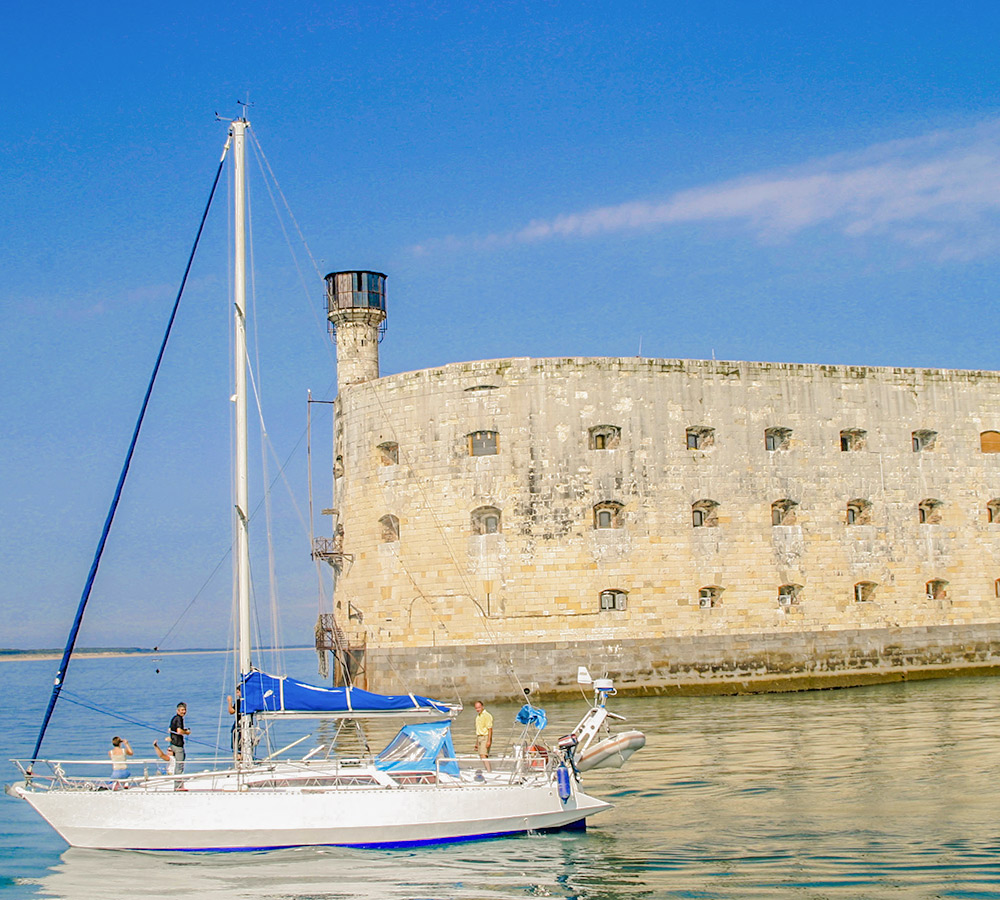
[{"x": 570, "y": 866}]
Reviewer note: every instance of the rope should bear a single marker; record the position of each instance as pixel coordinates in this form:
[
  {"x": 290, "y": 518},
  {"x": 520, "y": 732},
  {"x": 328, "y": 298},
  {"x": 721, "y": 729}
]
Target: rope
[{"x": 85, "y": 596}]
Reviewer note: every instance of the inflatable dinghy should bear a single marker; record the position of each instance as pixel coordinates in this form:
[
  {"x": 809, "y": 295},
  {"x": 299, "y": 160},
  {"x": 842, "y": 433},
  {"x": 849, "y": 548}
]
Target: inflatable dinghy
[{"x": 612, "y": 752}]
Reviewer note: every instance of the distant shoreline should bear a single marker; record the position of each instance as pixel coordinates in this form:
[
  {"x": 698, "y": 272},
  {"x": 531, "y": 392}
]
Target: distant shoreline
[{"x": 99, "y": 653}]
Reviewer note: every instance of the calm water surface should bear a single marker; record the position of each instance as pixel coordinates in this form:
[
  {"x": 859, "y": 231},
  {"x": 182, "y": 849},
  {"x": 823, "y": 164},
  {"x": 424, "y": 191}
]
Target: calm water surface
[{"x": 889, "y": 791}]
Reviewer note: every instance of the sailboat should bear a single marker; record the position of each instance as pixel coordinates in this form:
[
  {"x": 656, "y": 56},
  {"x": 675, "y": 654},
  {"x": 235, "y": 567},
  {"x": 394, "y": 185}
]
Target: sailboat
[{"x": 415, "y": 791}]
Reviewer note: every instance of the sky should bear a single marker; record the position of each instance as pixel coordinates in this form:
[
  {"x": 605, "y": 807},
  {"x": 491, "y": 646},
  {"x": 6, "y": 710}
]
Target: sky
[{"x": 751, "y": 181}]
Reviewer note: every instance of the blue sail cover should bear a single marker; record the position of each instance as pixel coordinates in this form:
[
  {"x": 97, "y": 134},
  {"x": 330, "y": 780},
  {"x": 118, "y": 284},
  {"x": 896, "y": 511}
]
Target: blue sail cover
[
  {"x": 269, "y": 693},
  {"x": 418, "y": 748}
]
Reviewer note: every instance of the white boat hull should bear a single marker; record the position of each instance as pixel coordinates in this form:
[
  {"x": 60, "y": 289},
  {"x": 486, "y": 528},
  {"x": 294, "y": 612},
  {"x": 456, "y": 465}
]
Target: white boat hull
[{"x": 139, "y": 819}]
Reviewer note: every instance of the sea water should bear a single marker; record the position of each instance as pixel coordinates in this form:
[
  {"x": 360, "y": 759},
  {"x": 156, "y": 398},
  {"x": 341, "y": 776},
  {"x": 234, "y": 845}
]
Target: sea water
[{"x": 875, "y": 792}]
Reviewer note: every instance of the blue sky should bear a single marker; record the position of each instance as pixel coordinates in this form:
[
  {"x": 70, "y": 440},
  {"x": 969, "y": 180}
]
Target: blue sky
[{"x": 765, "y": 181}]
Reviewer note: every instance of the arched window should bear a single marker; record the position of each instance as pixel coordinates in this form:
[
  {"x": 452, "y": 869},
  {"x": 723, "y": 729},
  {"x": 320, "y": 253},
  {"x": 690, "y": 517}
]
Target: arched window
[
  {"x": 486, "y": 520},
  {"x": 709, "y": 596},
  {"x": 783, "y": 512},
  {"x": 923, "y": 440},
  {"x": 993, "y": 512},
  {"x": 608, "y": 515},
  {"x": 388, "y": 453},
  {"x": 605, "y": 437},
  {"x": 864, "y": 591},
  {"x": 788, "y": 595},
  {"x": 777, "y": 438},
  {"x": 859, "y": 512},
  {"x": 929, "y": 512},
  {"x": 613, "y": 599},
  {"x": 989, "y": 442},
  {"x": 704, "y": 513},
  {"x": 852, "y": 439},
  {"x": 937, "y": 589},
  {"x": 390, "y": 528},
  {"x": 700, "y": 437},
  {"x": 483, "y": 443}
]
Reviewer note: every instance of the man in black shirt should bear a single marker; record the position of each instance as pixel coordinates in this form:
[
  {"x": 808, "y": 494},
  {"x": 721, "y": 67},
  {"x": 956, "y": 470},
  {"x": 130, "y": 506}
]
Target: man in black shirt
[{"x": 177, "y": 732}]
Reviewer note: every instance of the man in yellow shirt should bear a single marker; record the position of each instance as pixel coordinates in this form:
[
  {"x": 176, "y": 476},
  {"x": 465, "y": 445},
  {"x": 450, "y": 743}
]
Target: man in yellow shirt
[{"x": 484, "y": 733}]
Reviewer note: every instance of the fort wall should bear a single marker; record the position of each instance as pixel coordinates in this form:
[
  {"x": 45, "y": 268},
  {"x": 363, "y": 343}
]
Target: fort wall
[{"x": 715, "y": 522}]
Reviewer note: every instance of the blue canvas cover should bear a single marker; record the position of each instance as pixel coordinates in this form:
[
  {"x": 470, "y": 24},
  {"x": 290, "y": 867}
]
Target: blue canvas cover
[
  {"x": 417, "y": 748},
  {"x": 269, "y": 693},
  {"x": 532, "y": 715}
]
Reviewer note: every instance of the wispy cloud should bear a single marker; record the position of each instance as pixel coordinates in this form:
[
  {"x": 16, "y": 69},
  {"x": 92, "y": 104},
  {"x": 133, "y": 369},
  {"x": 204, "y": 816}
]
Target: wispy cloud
[{"x": 939, "y": 192}]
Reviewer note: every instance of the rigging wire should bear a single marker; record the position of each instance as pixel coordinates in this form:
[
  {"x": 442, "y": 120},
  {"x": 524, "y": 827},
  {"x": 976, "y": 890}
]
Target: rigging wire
[
  {"x": 264, "y": 441},
  {"x": 80, "y": 700},
  {"x": 258, "y": 149},
  {"x": 92, "y": 575},
  {"x": 269, "y": 177}
]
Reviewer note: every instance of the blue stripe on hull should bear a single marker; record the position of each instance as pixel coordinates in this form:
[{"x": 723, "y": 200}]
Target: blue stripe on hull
[{"x": 578, "y": 825}]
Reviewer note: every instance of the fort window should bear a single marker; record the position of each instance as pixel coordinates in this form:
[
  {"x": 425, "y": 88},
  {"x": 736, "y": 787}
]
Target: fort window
[
  {"x": 937, "y": 590},
  {"x": 996, "y": 588},
  {"x": 777, "y": 438},
  {"x": 388, "y": 453},
  {"x": 390, "y": 528},
  {"x": 608, "y": 515},
  {"x": 929, "y": 512},
  {"x": 993, "y": 512},
  {"x": 709, "y": 596},
  {"x": 483, "y": 443},
  {"x": 989, "y": 442},
  {"x": 704, "y": 513},
  {"x": 605, "y": 437},
  {"x": 486, "y": 520},
  {"x": 859, "y": 512},
  {"x": 924, "y": 440},
  {"x": 613, "y": 599},
  {"x": 864, "y": 591},
  {"x": 783, "y": 512},
  {"x": 700, "y": 437},
  {"x": 788, "y": 595},
  {"x": 852, "y": 439}
]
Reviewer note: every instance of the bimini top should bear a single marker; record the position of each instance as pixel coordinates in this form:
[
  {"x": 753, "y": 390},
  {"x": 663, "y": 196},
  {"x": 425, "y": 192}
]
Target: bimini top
[
  {"x": 426, "y": 747},
  {"x": 264, "y": 693}
]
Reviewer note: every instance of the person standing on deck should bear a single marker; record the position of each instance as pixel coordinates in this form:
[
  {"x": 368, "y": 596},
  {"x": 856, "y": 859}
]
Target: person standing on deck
[
  {"x": 177, "y": 732},
  {"x": 484, "y": 734},
  {"x": 235, "y": 709}
]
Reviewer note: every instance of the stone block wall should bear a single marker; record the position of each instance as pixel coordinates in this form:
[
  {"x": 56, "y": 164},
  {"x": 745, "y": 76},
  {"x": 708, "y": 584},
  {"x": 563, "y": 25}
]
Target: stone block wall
[{"x": 778, "y": 454}]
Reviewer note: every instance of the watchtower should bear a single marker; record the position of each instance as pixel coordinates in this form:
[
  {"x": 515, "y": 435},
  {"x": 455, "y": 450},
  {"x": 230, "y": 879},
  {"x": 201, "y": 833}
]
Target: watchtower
[{"x": 355, "y": 308}]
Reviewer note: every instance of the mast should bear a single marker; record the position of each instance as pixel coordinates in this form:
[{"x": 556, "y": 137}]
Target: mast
[{"x": 241, "y": 512}]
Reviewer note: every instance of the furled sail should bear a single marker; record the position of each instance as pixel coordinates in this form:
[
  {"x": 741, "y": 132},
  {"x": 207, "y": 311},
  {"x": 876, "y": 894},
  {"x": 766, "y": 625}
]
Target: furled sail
[{"x": 272, "y": 694}]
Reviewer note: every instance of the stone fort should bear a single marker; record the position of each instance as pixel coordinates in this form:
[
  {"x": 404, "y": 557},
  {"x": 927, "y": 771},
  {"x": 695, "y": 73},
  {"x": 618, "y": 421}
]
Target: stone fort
[{"x": 680, "y": 525}]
